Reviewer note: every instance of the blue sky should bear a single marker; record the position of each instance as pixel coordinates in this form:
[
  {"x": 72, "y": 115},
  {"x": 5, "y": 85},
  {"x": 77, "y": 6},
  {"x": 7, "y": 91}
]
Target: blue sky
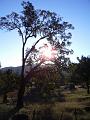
[{"x": 76, "y": 12}]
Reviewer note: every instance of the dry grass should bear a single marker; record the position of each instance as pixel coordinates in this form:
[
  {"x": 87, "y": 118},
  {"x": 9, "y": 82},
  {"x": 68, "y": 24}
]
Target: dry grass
[{"x": 77, "y": 99}]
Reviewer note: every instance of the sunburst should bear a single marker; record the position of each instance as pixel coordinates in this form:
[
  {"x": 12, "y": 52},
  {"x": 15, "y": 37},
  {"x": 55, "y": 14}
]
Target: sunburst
[{"x": 47, "y": 52}]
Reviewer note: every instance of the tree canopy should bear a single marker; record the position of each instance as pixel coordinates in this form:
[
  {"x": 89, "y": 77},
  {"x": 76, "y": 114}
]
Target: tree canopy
[{"x": 31, "y": 23}]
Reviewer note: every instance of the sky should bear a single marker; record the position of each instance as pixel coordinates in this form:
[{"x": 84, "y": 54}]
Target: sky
[{"x": 76, "y": 12}]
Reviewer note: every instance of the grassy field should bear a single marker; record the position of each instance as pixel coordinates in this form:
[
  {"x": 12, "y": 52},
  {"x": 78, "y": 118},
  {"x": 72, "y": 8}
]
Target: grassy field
[{"x": 75, "y": 107}]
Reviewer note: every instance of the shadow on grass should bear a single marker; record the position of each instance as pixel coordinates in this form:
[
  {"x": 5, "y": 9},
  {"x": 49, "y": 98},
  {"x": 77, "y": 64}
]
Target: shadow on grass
[{"x": 9, "y": 114}]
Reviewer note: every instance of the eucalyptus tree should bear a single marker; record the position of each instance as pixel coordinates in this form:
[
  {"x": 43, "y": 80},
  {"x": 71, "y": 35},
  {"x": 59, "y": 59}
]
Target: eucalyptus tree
[{"x": 39, "y": 25}]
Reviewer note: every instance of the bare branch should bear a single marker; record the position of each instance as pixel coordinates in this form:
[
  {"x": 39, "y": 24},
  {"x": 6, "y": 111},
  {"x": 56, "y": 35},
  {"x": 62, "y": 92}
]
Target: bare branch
[
  {"x": 20, "y": 31},
  {"x": 33, "y": 47},
  {"x": 29, "y": 36},
  {"x": 26, "y": 38}
]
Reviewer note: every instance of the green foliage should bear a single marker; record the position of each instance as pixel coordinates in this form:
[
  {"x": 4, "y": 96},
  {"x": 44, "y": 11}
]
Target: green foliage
[
  {"x": 71, "y": 73},
  {"x": 44, "y": 84},
  {"x": 8, "y": 82},
  {"x": 80, "y": 72},
  {"x": 84, "y": 68}
]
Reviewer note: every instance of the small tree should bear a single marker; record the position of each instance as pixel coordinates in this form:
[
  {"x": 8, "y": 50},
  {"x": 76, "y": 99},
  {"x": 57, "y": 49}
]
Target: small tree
[
  {"x": 83, "y": 70},
  {"x": 45, "y": 80},
  {"x": 8, "y": 82},
  {"x": 31, "y": 23},
  {"x": 71, "y": 74}
]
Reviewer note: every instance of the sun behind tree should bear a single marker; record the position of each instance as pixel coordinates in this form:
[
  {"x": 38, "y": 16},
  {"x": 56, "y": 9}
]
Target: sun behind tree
[
  {"x": 33, "y": 23},
  {"x": 48, "y": 52}
]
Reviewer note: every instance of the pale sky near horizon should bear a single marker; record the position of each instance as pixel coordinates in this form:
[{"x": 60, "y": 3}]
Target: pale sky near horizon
[{"x": 76, "y": 12}]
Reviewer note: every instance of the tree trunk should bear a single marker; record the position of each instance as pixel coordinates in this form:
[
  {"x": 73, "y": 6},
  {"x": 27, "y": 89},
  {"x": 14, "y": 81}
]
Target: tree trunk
[
  {"x": 22, "y": 83},
  {"x": 5, "y": 98},
  {"x": 20, "y": 95},
  {"x": 87, "y": 84}
]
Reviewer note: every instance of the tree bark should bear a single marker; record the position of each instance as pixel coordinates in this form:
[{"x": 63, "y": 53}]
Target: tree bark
[
  {"x": 5, "y": 98},
  {"x": 20, "y": 96},
  {"x": 87, "y": 84},
  {"x": 22, "y": 83}
]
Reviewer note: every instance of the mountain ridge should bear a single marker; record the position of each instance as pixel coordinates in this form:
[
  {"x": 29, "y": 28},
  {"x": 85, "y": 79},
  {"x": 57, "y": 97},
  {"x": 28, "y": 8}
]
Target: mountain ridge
[{"x": 16, "y": 70}]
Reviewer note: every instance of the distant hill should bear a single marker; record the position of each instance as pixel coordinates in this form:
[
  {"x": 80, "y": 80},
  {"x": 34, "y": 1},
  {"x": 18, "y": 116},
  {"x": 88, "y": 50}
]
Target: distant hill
[{"x": 16, "y": 70}]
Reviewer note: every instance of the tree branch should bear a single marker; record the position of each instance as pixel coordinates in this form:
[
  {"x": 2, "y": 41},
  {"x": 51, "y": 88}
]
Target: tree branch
[
  {"x": 29, "y": 36},
  {"x": 31, "y": 72},
  {"x": 20, "y": 32},
  {"x": 34, "y": 46}
]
